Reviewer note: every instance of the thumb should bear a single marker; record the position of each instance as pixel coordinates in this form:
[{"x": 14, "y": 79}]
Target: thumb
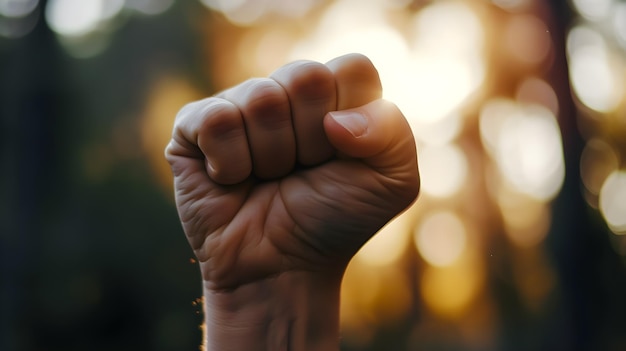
[{"x": 378, "y": 134}]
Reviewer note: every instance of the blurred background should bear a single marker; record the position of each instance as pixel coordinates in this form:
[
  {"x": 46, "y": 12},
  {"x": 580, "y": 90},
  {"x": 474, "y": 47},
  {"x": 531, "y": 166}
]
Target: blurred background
[{"x": 518, "y": 107}]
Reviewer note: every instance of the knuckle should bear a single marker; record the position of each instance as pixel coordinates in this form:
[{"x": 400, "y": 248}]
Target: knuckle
[
  {"x": 186, "y": 110},
  {"x": 267, "y": 105},
  {"x": 312, "y": 80},
  {"x": 261, "y": 89},
  {"x": 220, "y": 118}
]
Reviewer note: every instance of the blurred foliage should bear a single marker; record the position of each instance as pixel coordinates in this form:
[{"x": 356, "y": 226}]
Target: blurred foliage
[{"x": 93, "y": 256}]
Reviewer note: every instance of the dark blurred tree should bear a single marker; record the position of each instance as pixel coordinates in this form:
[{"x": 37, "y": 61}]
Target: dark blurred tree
[{"x": 90, "y": 260}]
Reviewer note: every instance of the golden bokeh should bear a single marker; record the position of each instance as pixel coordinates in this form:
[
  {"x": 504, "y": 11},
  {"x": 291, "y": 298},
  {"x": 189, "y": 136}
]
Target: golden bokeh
[
  {"x": 509, "y": 106},
  {"x": 472, "y": 79}
]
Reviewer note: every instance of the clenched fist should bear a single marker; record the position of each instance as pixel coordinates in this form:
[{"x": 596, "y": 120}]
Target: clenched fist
[{"x": 279, "y": 181}]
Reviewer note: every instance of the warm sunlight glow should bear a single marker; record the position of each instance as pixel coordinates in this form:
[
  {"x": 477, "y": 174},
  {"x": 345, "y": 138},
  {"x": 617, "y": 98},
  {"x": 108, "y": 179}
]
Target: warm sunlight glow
[
  {"x": 525, "y": 142},
  {"x": 444, "y": 169},
  {"x": 429, "y": 87},
  {"x": 428, "y": 77},
  {"x": 492, "y": 117},
  {"x": 526, "y": 219},
  {"x": 166, "y": 97},
  {"x": 388, "y": 245},
  {"x": 372, "y": 295},
  {"x": 619, "y": 22},
  {"x": 441, "y": 238},
  {"x": 446, "y": 62},
  {"x": 537, "y": 91},
  {"x": 440, "y": 132},
  {"x": 265, "y": 60},
  {"x": 531, "y": 155},
  {"x": 527, "y": 39},
  {"x": 448, "y": 291},
  {"x": 596, "y": 78}
]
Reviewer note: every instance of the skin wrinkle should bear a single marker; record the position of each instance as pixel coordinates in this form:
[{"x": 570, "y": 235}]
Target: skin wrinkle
[
  {"x": 364, "y": 201},
  {"x": 307, "y": 263},
  {"x": 207, "y": 204},
  {"x": 186, "y": 172},
  {"x": 278, "y": 199},
  {"x": 290, "y": 339},
  {"x": 392, "y": 185},
  {"x": 296, "y": 229},
  {"x": 391, "y": 174},
  {"x": 325, "y": 231},
  {"x": 205, "y": 245},
  {"x": 195, "y": 223},
  {"x": 228, "y": 254},
  {"x": 279, "y": 319},
  {"x": 240, "y": 250},
  {"x": 280, "y": 338},
  {"x": 179, "y": 146},
  {"x": 190, "y": 202}
]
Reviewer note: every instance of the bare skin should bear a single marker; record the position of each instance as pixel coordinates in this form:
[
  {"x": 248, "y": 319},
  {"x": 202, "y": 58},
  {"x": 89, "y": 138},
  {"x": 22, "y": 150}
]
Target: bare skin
[{"x": 279, "y": 181}]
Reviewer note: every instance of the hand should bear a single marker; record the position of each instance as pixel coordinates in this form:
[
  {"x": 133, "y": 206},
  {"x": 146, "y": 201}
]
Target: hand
[{"x": 290, "y": 175}]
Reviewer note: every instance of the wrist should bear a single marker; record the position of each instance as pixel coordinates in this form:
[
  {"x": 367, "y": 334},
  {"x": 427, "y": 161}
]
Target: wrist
[{"x": 294, "y": 310}]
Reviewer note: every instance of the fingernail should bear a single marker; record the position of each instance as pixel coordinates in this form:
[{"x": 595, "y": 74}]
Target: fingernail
[{"x": 353, "y": 122}]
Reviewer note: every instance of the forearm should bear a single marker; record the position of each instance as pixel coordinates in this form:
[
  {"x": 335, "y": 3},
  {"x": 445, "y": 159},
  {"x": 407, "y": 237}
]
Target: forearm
[{"x": 295, "y": 311}]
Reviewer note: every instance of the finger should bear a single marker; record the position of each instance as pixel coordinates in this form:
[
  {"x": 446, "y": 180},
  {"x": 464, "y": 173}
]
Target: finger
[
  {"x": 379, "y": 135},
  {"x": 264, "y": 106},
  {"x": 213, "y": 129},
  {"x": 357, "y": 80},
  {"x": 311, "y": 89}
]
